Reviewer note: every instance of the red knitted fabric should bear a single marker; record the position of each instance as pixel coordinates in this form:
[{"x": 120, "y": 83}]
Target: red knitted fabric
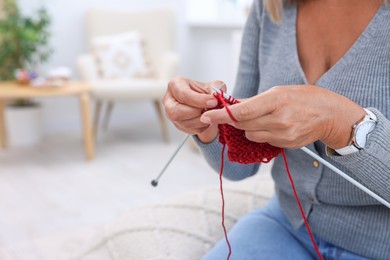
[{"x": 243, "y": 151}]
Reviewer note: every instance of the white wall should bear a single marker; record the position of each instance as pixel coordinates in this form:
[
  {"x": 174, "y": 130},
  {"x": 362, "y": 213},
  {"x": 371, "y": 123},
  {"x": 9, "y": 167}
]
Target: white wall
[{"x": 206, "y": 54}]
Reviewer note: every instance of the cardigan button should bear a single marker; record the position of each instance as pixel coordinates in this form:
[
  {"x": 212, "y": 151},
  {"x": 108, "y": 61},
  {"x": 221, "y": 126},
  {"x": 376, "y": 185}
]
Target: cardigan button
[
  {"x": 316, "y": 164},
  {"x": 310, "y": 197}
]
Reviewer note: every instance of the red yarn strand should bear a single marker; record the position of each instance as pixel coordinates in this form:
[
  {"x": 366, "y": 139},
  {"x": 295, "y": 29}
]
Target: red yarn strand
[
  {"x": 300, "y": 206},
  {"x": 223, "y": 200},
  {"x": 224, "y": 104}
]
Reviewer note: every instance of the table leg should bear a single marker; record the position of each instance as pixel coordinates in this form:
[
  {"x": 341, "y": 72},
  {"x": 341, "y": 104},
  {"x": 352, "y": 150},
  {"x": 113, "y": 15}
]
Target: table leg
[
  {"x": 3, "y": 131},
  {"x": 87, "y": 126}
]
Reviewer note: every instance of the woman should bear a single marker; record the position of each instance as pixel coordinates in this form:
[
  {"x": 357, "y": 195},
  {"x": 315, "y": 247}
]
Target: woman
[{"x": 310, "y": 72}]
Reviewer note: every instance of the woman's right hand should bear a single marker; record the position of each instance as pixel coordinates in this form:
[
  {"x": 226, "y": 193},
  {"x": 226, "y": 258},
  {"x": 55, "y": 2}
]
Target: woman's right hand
[{"x": 185, "y": 100}]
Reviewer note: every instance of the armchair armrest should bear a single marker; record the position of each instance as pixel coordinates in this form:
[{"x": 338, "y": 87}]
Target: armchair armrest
[
  {"x": 87, "y": 67},
  {"x": 168, "y": 66}
]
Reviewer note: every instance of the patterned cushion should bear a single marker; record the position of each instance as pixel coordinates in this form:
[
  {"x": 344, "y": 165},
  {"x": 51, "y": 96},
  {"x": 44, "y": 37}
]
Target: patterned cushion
[
  {"x": 183, "y": 228},
  {"x": 122, "y": 56}
]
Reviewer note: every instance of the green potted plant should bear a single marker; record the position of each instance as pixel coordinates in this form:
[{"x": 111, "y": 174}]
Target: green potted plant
[{"x": 24, "y": 44}]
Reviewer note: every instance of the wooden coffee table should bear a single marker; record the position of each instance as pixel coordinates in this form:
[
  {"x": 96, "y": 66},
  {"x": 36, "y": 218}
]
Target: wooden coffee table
[{"x": 11, "y": 90}]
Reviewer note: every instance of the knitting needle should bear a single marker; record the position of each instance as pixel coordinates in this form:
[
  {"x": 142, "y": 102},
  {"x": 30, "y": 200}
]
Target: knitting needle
[
  {"x": 155, "y": 181},
  {"x": 225, "y": 95},
  {"x": 345, "y": 176},
  {"x": 327, "y": 164},
  {"x": 219, "y": 91}
]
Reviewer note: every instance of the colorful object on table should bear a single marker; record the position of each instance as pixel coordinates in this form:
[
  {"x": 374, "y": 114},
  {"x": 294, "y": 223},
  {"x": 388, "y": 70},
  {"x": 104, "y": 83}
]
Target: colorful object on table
[
  {"x": 25, "y": 76},
  {"x": 57, "y": 77},
  {"x": 243, "y": 151}
]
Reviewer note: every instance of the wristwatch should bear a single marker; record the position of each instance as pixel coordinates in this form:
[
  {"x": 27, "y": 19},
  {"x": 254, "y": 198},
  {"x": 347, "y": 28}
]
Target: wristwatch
[{"x": 360, "y": 134}]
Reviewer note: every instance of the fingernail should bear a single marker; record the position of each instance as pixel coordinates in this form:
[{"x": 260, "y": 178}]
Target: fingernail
[
  {"x": 212, "y": 102},
  {"x": 205, "y": 120}
]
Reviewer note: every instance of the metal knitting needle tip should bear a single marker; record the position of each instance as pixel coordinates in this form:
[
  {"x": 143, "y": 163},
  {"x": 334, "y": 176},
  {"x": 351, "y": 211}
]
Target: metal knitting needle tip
[
  {"x": 216, "y": 90},
  {"x": 219, "y": 91},
  {"x": 155, "y": 181}
]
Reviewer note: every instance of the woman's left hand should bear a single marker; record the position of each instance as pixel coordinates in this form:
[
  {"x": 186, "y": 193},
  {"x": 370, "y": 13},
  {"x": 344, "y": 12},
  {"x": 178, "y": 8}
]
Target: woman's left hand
[{"x": 293, "y": 116}]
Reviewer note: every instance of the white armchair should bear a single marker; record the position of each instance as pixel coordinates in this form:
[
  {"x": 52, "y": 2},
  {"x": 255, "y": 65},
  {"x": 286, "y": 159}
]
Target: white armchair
[{"x": 157, "y": 30}]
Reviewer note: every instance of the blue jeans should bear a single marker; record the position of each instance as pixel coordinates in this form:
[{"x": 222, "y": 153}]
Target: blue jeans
[{"x": 267, "y": 234}]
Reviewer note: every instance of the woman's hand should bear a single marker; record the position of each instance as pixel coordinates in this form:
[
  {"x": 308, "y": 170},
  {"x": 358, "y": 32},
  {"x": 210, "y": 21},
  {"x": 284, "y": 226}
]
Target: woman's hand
[
  {"x": 185, "y": 101},
  {"x": 293, "y": 116}
]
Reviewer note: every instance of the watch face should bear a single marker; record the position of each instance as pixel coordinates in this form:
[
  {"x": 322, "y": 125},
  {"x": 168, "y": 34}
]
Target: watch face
[{"x": 362, "y": 132}]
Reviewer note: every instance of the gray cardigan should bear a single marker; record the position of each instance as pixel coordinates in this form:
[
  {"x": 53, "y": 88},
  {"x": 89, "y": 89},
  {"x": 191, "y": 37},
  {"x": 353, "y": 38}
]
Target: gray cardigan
[{"x": 337, "y": 211}]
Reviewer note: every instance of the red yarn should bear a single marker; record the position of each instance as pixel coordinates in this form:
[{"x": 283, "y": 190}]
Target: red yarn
[
  {"x": 223, "y": 201},
  {"x": 243, "y": 151},
  {"x": 300, "y": 206}
]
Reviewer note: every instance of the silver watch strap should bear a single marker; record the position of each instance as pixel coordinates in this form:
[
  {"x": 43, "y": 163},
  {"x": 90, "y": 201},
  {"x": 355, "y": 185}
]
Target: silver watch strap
[{"x": 347, "y": 150}]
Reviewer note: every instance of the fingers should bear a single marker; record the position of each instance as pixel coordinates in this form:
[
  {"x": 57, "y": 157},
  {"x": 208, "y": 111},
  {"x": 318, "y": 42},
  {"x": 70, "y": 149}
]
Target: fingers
[
  {"x": 192, "y": 131},
  {"x": 194, "y": 123},
  {"x": 207, "y": 88},
  {"x": 285, "y": 116},
  {"x": 191, "y": 93},
  {"x": 259, "y": 136},
  {"x": 275, "y": 138},
  {"x": 185, "y": 100},
  {"x": 267, "y": 123},
  {"x": 179, "y": 112},
  {"x": 217, "y": 116},
  {"x": 249, "y": 109}
]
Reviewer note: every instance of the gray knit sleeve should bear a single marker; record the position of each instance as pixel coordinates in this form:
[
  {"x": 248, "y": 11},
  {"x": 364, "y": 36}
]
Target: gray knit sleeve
[
  {"x": 372, "y": 164},
  {"x": 248, "y": 76},
  {"x": 247, "y": 85}
]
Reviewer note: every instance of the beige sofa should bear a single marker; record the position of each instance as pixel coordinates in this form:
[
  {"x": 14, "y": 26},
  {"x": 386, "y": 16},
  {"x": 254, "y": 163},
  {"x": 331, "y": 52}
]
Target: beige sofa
[{"x": 183, "y": 228}]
